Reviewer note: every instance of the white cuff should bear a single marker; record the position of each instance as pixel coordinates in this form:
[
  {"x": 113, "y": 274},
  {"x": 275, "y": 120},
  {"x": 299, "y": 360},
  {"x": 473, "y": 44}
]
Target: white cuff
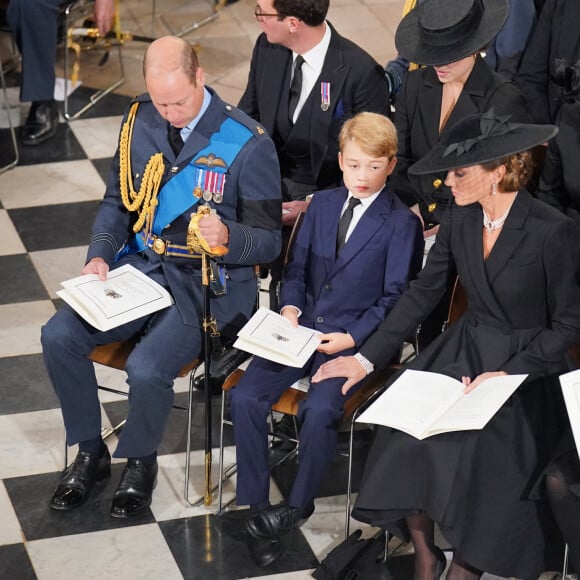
[{"x": 367, "y": 365}]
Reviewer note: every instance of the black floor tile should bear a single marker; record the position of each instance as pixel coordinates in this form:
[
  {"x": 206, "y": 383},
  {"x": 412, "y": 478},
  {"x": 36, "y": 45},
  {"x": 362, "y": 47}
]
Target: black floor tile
[
  {"x": 217, "y": 547},
  {"x": 55, "y": 226},
  {"x": 7, "y": 152},
  {"x": 26, "y": 385},
  {"x": 110, "y": 105},
  {"x": 24, "y": 283},
  {"x": 102, "y": 166},
  {"x": 175, "y": 437},
  {"x": 64, "y": 146},
  {"x": 30, "y": 496},
  {"x": 15, "y": 564}
]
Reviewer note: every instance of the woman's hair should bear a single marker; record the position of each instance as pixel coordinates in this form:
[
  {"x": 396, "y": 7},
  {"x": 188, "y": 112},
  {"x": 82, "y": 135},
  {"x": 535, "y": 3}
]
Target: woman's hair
[
  {"x": 375, "y": 134},
  {"x": 518, "y": 170}
]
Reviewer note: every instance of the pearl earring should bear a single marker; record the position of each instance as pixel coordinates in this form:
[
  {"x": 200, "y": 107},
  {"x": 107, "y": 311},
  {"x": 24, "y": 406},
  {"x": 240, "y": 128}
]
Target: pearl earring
[{"x": 493, "y": 188}]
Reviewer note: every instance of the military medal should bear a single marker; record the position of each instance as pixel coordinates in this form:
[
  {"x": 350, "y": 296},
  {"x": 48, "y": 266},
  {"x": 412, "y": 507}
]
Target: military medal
[
  {"x": 197, "y": 190},
  {"x": 207, "y": 195},
  {"x": 324, "y": 96},
  {"x": 218, "y": 194}
]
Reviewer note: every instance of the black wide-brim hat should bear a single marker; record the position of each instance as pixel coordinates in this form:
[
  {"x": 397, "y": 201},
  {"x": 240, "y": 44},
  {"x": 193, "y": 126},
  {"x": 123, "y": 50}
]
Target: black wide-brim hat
[
  {"x": 437, "y": 32},
  {"x": 481, "y": 138}
]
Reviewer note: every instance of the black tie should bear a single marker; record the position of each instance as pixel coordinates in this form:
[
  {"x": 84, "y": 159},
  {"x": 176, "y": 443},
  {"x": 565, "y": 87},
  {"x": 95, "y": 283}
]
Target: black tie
[
  {"x": 345, "y": 222},
  {"x": 295, "y": 88},
  {"x": 175, "y": 140}
]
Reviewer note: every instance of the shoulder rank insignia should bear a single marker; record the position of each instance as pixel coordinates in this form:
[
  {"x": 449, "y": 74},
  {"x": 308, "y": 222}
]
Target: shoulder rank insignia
[
  {"x": 259, "y": 130},
  {"x": 211, "y": 161}
]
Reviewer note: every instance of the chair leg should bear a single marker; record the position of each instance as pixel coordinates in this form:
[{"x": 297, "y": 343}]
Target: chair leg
[{"x": 349, "y": 481}]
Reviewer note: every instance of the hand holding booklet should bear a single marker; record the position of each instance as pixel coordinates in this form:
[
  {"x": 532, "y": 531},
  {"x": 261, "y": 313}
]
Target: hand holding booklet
[
  {"x": 126, "y": 294},
  {"x": 271, "y": 336},
  {"x": 423, "y": 404},
  {"x": 570, "y": 384}
]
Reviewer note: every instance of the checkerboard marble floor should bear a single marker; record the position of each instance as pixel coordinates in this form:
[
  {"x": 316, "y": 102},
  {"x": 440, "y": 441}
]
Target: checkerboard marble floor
[{"x": 47, "y": 205}]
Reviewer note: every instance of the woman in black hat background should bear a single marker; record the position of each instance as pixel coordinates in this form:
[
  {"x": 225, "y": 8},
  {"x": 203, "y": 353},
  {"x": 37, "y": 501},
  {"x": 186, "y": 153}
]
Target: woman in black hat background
[
  {"x": 518, "y": 261},
  {"x": 446, "y": 36}
]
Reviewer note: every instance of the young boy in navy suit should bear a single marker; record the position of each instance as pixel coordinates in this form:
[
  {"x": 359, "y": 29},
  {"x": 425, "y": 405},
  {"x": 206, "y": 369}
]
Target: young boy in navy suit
[{"x": 350, "y": 263}]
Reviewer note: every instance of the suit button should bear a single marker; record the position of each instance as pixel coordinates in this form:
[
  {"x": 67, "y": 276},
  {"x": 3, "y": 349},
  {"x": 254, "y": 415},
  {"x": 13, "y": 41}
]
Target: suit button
[
  {"x": 320, "y": 319},
  {"x": 328, "y": 286},
  {"x": 437, "y": 183}
]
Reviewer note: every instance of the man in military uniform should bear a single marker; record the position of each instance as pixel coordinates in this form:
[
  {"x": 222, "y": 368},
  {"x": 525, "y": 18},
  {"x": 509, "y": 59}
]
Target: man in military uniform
[{"x": 180, "y": 147}]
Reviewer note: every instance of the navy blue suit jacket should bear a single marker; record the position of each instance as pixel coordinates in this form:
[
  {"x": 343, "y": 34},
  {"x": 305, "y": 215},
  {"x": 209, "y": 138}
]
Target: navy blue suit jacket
[{"x": 354, "y": 291}]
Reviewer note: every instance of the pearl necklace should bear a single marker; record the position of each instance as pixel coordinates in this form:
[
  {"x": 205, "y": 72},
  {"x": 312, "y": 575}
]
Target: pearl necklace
[{"x": 492, "y": 225}]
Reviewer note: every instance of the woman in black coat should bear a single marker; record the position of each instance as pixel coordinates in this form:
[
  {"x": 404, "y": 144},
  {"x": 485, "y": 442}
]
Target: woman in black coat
[
  {"x": 446, "y": 35},
  {"x": 518, "y": 262}
]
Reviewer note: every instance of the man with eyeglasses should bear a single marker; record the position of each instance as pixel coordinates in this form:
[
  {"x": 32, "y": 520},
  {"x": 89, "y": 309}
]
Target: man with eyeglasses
[{"x": 305, "y": 80}]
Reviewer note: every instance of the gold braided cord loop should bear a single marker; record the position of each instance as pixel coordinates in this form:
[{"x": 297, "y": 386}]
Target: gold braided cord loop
[
  {"x": 196, "y": 243},
  {"x": 145, "y": 200}
]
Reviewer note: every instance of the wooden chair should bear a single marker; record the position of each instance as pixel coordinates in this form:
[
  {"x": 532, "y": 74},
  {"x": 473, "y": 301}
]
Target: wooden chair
[{"x": 114, "y": 355}]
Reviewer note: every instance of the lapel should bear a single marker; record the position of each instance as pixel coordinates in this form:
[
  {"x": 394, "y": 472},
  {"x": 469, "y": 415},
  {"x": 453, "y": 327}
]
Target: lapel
[
  {"x": 373, "y": 219},
  {"x": 511, "y": 236},
  {"x": 275, "y": 82},
  {"x": 334, "y": 71},
  {"x": 429, "y": 102},
  {"x": 474, "y": 89},
  {"x": 329, "y": 227}
]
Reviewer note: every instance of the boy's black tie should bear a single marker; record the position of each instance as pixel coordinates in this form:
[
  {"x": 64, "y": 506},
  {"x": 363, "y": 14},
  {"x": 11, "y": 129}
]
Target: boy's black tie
[
  {"x": 174, "y": 138},
  {"x": 345, "y": 222},
  {"x": 295, "y": 88}
]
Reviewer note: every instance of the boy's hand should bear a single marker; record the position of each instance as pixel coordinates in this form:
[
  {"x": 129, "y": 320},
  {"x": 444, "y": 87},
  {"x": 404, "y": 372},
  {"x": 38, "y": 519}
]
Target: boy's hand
[{"x": 335, "y": 342}]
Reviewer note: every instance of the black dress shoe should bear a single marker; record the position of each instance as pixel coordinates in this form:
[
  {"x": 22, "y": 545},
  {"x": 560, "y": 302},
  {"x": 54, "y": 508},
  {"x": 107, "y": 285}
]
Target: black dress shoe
[
  {"x": 265, "y": 551},
  {"x": 135, "y": 489},
  {"x": 77, "y": 480},
  {"x": 275, "y": 521},
  {"x": 41, "y": 122}
]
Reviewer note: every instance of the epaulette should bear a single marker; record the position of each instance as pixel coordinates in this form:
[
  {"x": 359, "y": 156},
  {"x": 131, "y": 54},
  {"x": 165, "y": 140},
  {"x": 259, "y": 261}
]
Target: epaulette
[
  {"x": 245, "y": 120},
  {"x": 142, "y": 98}
]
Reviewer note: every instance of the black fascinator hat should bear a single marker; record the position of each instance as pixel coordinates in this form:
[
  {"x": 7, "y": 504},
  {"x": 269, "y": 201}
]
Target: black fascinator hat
[
  {"x": 438, "y": 32},
  {"x": 481, "y": 138}
]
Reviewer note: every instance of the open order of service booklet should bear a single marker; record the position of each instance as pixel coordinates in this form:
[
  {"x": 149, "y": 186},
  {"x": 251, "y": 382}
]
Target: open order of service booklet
[
  {"x": 423, "y": 404},
  {"x": 126, "y": 294},
  {"x": 271, "y": 336},
  {"x": 570, "y": 383}
]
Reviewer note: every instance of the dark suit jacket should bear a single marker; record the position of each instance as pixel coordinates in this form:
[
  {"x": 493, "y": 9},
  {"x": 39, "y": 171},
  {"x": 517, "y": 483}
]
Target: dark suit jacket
[
  {"x": 250, "y": 209},
  {"x": 560, "y": 181},
  {"x": 557, "y": 36},
  {"x": 354, "y": 292},
  {"x": 523, "y": 310},
  {"x": 418, "y": 112},
  {"x": 357, "y": 83}
]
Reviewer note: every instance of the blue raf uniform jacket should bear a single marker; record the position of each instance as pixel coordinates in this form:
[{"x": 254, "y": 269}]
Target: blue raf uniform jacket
[{"x": 251, "y": 208}]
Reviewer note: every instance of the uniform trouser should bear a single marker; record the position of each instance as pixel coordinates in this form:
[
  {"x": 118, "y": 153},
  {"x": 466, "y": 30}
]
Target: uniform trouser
[
  {"x": 166, "y": 346},
  {"x": 34, "y": 24},
  {"x": 318, "y": 416}
]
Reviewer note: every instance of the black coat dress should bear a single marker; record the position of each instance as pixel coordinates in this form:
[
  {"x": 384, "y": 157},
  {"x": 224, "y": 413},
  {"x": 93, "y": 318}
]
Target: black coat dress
[{"x": 523, "y": 315}]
